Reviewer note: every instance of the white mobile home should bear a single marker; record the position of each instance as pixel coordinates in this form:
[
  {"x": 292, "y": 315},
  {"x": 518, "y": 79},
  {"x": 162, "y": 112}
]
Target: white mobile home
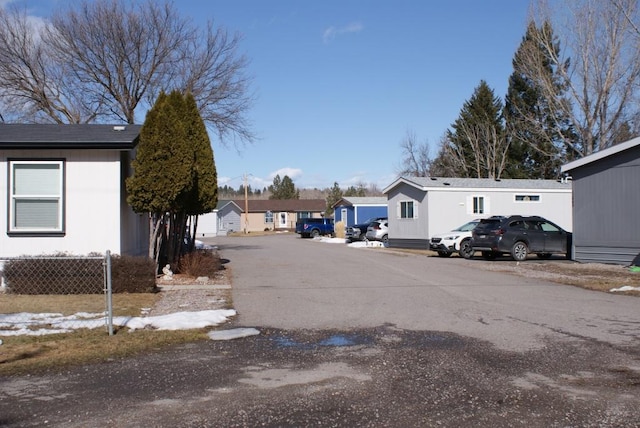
[
  {"x": 422, "y": 206},
  {"x": 65, "y": 190}
]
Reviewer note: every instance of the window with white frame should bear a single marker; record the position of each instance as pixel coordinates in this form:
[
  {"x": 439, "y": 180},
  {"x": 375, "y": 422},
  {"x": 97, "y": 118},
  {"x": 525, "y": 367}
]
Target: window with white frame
[
  {"x": 268, "y": 217},
  {"x": 36, "y": 196},
  {"x": 407, "y": 209},
  {"x": 478, "y": 204}
]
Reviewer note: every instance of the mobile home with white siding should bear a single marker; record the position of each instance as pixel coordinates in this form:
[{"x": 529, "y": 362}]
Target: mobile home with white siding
[
  {"x": 423, "y": 206},
  {"x": 65, "y": 190}
]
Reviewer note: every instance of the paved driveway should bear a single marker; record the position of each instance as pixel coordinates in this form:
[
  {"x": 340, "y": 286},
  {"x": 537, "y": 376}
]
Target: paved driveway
[
  {"x": 366, "y": 338},
  {"x": 287, "y": 282}
]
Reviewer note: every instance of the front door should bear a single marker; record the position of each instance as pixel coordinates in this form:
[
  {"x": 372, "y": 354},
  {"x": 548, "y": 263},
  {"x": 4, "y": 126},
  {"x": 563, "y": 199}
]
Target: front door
[{"x": 282, "y": 220}]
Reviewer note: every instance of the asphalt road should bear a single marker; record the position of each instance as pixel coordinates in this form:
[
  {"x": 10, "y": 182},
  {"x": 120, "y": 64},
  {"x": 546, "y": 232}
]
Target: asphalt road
[{"x": 365, "y": 337}]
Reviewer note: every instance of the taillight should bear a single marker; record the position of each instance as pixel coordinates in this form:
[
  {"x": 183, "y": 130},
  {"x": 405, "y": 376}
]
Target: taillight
[
  {"x": 500, "y": 231},
  {"x": 376, "y": 226}
]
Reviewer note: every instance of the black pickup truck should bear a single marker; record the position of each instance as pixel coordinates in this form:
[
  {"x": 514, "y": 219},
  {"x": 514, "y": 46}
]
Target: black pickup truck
[
  {"x": 358, "y": 231},
  {"x": 312, "y": 227}
]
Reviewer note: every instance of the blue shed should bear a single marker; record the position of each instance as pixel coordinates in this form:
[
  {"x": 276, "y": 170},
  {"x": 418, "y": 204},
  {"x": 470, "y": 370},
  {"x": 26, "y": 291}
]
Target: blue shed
[{"x": 354, "y": 210}]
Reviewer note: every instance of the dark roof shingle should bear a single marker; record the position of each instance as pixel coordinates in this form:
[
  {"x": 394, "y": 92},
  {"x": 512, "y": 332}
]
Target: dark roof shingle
[{"x": 57, "y": 136}]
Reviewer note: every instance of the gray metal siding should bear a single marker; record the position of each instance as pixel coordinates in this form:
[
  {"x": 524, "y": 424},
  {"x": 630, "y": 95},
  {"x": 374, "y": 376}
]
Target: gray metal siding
[
  {"x": 606, "y": 209},
  {"x": 416, "y": 244},
  {"x": 401, "y": 228}
]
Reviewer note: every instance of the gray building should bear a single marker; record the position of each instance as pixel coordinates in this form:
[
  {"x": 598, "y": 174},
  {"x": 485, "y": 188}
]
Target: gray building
[{"x": 606, "y": 204}]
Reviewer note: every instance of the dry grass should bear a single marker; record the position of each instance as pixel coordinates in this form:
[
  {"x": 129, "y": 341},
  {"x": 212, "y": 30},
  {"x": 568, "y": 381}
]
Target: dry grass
[
  {"x": 123, "y": 304},
  {"x": 33, "y": 354}
]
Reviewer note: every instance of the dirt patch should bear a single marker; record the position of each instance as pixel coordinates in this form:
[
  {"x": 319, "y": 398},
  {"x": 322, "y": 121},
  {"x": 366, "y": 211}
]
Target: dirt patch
[{"x": 593, "y": 276}]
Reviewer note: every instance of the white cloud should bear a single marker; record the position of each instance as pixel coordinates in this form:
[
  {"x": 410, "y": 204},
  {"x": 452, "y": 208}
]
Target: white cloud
[
  {"x": 293, "y": 173},
  {"x": 332, "y": 32}
]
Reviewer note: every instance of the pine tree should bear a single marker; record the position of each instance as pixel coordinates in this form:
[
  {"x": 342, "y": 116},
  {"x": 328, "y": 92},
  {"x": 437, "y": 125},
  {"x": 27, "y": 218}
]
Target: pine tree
[
  {"x": 335, "y": 194},
  {"x": 475, "y": 146},
  {"x": 283, "y": 188},
  {"x": 535, "y": 126}
]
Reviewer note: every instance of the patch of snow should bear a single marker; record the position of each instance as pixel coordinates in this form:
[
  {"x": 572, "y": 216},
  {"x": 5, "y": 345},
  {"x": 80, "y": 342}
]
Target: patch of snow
[
  {"x": 625, "y": 288},
  {"x": 235, "y": 333}
]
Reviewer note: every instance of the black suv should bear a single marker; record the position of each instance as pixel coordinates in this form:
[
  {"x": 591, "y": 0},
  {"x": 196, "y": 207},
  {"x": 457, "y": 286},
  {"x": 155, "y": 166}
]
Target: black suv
[{"x": 519, "y": 236}]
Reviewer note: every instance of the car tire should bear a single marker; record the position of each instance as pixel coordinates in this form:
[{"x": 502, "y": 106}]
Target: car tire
[
  {"x": 519, "y": 251},
  {"x": 489, "y": 255},
  {"x": 466, "y": 250},
  {"x": 544, "y": 256},
  {"x": 315, "y": 233},
  {"x": 385, "y": 240},
  {"x": 442, "y": 253}
]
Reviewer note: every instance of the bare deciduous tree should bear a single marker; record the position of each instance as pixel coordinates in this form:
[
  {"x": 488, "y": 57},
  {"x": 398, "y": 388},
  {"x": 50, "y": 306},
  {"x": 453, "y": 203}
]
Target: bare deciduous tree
[
  {"x": 109, "y": 59},
  {"x": 415, "y": 156},
  {"x": 487, "y": 157},
  {"x": 599, "y": 68},
  {"x": 33, "y": 86}
]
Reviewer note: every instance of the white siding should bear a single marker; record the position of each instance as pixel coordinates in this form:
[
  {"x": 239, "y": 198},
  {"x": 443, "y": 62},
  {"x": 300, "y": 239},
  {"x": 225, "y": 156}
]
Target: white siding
[
  {"x": 208, "y": 224},
  {"x": 451, "y": 208},
  {"x": 92, "y": 205}
]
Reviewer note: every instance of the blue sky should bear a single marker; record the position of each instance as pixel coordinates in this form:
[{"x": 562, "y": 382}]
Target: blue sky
[{"x": 338, "y": 84}]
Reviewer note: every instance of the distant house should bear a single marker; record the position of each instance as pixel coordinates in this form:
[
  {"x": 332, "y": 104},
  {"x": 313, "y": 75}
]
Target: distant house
[
  {"x": 606, "y": 204},
  {"x": 65, "y": 190},
  {"x": 277, "y": 214},
  {"x": 221, "y": 221},
  {"x": 353, "y": 210},
  {"x": 422, "y": 206}
]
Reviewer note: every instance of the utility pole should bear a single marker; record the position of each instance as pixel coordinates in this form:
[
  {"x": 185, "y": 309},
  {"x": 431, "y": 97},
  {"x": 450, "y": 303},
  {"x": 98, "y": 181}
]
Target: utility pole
[{"x": 246, "y": 205}]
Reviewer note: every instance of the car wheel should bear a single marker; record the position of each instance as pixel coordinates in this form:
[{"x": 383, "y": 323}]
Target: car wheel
[
  {"x": 466, "y": 250},
  {"x": 444, "y": 253},
  {"x": 489, "y": 255},
  {"x": 519, "y": 251},
  {"x": 544, "y": 255},
  {"x": 315, "y": 233},
  {"x": 385, "y": 240}
]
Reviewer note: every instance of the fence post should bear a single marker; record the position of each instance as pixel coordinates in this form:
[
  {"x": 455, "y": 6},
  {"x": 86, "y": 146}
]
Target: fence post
[{"x": 109, "y": 294}]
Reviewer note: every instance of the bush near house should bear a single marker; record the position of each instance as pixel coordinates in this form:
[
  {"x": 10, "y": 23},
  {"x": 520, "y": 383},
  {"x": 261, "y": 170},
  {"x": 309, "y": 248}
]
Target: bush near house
[{"x": 200, "y": 263}]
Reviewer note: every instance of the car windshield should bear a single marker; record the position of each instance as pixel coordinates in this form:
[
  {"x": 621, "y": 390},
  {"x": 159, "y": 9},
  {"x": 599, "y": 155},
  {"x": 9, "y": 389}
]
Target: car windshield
[{"x": 467, "y": 227}]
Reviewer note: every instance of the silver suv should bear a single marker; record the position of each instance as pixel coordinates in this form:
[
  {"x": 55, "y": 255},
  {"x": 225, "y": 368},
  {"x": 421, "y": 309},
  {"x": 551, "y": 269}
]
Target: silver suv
[{"x": 378, "y": 231}]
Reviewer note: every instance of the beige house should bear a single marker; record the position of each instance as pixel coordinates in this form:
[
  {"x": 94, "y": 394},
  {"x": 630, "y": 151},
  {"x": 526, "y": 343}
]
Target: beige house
[{"x": 277, "y": 214}]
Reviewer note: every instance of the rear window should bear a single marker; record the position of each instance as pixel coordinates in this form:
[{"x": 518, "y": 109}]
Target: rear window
[{"x": 487, "y": 225}]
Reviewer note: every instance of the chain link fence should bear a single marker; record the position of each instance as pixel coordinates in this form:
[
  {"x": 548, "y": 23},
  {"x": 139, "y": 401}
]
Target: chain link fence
[{"x": 55, "y": 294}]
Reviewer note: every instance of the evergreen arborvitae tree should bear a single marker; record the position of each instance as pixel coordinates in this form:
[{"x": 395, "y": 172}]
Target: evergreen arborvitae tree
[
  {"x": 535, "y": 128},
  {"x": 283, "y": 188},
  {"x": 204, "y": 192},
  {"x": 475, "y": 146},
  {"x": 174, "y": 173}
]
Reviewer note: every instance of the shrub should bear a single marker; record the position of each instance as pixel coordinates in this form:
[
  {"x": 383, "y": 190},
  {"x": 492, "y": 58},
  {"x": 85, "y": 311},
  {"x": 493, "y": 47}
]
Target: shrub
[
  {"x": 200, "y": 263},
  {"x": 62, "y": 274},
  {"x": 339, "y": 229},
  {"x": 133, "y": 274}
]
